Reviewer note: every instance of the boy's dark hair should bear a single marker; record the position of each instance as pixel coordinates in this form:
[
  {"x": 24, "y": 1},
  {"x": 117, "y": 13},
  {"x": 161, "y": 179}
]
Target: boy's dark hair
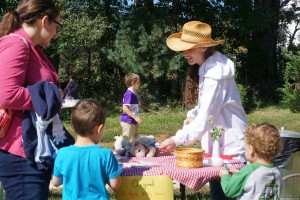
[
  {"x": 130, "y": 79},
  {"x": 86, "y": 115},
  {"x": 265, "y": 139}
]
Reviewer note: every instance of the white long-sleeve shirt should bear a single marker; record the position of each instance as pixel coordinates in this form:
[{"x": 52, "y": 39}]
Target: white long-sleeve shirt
[{"x": 218, "y": 97}]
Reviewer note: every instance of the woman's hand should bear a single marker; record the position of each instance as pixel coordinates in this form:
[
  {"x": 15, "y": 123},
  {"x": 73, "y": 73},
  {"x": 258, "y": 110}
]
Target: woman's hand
[
  {"x": 168, "y": 145},
  {"x": 188, "y": 120}
]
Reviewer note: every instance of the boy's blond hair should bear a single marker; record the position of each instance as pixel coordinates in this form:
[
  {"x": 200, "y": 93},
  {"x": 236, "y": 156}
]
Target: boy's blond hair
[
  {"x": 131, "y": 79},
  {"x": 265, "y": 139}
]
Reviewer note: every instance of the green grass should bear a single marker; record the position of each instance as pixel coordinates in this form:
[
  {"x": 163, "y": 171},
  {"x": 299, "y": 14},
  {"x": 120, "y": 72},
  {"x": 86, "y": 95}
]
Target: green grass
[
  {"x": 277, "y": 116},
  {"x": 166, "y": 122}
]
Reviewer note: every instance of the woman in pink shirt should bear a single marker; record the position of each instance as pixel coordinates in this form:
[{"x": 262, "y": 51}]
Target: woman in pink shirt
[{"x": 23, "y": 31}]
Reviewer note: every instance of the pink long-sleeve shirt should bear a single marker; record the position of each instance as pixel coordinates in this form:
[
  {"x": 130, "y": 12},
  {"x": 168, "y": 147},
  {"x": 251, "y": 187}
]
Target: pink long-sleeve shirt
[{"x": 17, "y": 71}]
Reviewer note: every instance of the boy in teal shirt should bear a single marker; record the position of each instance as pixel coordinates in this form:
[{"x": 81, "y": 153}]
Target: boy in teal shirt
[
  {"x": 85, "y": 167},
  {"x": 259, "y": 179}
]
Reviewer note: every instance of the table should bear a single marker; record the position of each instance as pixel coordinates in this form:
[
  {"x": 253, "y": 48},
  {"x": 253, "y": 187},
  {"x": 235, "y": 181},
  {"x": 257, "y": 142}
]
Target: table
[
  {"x": 66, "y": 108},
  {"x": 69, "y": 103},
  {"x": 166, "y": 165}
]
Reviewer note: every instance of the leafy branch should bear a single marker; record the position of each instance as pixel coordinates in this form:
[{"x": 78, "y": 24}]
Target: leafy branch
[{"x": 215, "y": 131}]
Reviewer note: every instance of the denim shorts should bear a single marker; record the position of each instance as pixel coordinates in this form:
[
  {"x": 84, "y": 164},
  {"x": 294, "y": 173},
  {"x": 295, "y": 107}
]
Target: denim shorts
[{"x": 21, "y": 180}]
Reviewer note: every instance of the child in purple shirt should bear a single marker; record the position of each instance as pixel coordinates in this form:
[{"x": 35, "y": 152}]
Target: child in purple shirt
[{"x": 130, "y": 117}]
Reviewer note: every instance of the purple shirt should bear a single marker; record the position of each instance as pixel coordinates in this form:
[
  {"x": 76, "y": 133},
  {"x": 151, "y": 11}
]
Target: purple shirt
[
  {"x": 130, "y": 99},
  {"x": 15, "y": 76}
]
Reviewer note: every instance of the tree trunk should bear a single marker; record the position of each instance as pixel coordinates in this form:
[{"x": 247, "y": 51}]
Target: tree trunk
[
  {"x": 262, "y": 69},
  {"x": 148, "y": 11},
  {"x": 174, "y": 85},
  {"x": 293, "y": 35}
]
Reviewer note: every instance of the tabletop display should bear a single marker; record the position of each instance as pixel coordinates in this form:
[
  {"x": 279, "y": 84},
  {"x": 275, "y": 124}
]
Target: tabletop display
[{"x": 194, "y": 178}]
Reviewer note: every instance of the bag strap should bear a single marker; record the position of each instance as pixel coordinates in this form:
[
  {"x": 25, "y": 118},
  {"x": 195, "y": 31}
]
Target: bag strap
[
  {"x": 22, "y": 38},
  {"x": 26, "y": 43}
]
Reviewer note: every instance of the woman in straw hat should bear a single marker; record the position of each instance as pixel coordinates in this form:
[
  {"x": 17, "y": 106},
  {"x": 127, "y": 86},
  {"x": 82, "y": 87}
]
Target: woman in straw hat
[{"x": 218, "y": 97}]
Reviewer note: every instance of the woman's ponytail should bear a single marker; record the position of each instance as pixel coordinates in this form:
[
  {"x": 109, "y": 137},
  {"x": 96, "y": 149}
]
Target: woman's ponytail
[{"x": 9, "y": 23}]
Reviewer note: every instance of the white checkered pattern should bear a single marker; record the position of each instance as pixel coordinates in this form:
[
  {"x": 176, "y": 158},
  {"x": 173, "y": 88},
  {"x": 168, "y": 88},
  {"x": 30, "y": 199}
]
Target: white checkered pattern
[{"x": 192, "y": 178}]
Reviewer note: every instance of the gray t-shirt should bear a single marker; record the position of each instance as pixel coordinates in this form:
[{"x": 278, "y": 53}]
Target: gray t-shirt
[{"x": 254, "y": 181}]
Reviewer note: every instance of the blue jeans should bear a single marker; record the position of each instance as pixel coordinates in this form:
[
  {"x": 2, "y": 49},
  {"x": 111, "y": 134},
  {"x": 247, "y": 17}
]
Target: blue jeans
[{"x": 21, "y": 180}]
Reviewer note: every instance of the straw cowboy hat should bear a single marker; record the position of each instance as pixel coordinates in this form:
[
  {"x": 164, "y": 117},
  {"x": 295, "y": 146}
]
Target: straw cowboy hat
[{"x": 194, "y": 34}]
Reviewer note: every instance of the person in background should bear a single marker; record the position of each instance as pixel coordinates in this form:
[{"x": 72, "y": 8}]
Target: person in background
[
  {"x": 130, "y": 116},
  {"x": 33, "y": 24},
  {"x": 259, "y": 179},
  {"x": 218, "y": 97},
  {"x": 85, "y": 167},
  {"x": 71, "y": 90}
]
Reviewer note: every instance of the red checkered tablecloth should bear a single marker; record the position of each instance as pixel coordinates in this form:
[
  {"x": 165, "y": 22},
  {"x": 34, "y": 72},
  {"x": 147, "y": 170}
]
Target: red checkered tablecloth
[{"x": 192, "y": 178}]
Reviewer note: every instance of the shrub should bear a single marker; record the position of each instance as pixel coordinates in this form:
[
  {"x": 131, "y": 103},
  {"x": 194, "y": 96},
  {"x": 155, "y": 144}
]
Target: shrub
[
  {"x": 247, "y": 98},
  {"x": 291, "y": 88}
]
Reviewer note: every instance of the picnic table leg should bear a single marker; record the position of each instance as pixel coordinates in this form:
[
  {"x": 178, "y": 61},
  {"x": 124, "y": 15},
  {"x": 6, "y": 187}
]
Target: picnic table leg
[{"x": 182, "y": 191}]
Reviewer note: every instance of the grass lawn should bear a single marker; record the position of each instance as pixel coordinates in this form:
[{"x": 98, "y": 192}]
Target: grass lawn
[{"x": 165, "y": 122}]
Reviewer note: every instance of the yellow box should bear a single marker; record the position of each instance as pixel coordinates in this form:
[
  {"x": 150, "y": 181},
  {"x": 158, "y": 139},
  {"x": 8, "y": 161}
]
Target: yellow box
[{"x": 145, "y": 187}]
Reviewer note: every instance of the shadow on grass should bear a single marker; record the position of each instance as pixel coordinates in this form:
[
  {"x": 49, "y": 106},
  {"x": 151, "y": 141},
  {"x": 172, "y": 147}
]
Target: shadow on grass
[
  {"x": 55, "y": 194},
  {"x": 202, "y": 194},
  {"x": 195, "y": 196}
]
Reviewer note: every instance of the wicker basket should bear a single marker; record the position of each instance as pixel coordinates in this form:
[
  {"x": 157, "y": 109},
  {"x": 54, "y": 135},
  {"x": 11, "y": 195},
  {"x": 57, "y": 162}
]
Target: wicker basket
[{"x": 189, "y": 157}]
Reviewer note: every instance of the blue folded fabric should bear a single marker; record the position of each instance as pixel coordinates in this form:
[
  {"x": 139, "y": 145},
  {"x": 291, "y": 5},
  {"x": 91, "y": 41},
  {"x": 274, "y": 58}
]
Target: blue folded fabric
[{"x": 42, "y": 130}]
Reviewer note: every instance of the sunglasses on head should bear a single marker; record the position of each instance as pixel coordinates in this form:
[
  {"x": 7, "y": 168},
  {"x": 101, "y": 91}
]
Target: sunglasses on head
[{"x": 59, "y": 26}]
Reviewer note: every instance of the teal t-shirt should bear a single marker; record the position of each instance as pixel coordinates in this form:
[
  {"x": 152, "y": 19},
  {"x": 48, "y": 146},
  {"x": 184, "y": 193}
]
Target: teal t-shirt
[
  {"x": 254, "y": 181},
  {"x": 85, "y": 171}
]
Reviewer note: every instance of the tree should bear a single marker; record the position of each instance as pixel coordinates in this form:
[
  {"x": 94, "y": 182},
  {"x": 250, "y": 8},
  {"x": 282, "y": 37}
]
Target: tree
[
  {"x": 290, "y": 16},
  {"x": 261, "y": 69},
  {"x": 291, "y": 88},
  {"x": 147, "y": 55},
  {"x": 103, "y": 40},
  {"x": 7, "y": 5},
  {"x": 80, "y": 45}
]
